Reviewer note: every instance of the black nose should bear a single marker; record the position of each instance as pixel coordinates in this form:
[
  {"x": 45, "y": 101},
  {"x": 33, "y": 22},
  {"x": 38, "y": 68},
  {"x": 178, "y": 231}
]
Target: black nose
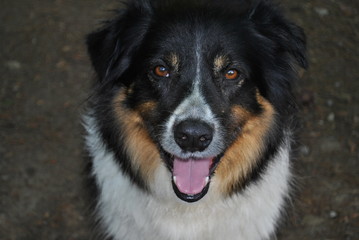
[{"x": 193, "y": 135}]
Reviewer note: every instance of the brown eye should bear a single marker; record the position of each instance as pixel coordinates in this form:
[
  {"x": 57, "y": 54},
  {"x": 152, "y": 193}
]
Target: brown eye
[
  {"x": 232, "y": 74},
  {"x": 161, "y": 71}
]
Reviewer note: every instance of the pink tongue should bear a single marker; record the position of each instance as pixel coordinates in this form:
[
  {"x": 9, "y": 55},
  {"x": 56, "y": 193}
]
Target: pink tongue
[{"x": 191, "y": 174}]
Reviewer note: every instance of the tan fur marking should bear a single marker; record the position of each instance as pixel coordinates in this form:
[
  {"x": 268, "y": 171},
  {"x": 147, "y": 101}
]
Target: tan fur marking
[
  {"x": 174, "y": 60},
  {"x": 219, "y": 63},
  {"x": 146, "y": 107},
  {"x": 129, "y": 91},
  {"x": 140, "y": 148},
  {"x": 244, "y": 153}
]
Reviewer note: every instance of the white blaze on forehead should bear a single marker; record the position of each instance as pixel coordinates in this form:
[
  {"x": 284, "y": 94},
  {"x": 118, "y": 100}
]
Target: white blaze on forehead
[{"x": 195, "y": 107}]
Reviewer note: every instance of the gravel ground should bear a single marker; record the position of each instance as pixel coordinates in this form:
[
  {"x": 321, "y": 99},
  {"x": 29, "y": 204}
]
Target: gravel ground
[{"x": 44, "y": 81}]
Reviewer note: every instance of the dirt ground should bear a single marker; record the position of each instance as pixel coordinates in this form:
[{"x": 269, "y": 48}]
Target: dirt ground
[{"x": 44, "y": 81}]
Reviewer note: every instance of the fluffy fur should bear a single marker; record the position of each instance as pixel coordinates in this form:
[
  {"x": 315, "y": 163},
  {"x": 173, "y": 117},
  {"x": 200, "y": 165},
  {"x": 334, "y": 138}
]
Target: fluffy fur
[{"x": 189, "y": 128}]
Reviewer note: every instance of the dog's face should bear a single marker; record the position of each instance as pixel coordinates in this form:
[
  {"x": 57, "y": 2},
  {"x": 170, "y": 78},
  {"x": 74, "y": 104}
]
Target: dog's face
[{"x": 198, "y": 92}]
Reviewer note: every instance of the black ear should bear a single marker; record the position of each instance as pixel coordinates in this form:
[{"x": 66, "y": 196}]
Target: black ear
[
  {"x": 287, "y": 36},
  {"x": 101, "y": 46},
  {"x": 112, "y": 47}
]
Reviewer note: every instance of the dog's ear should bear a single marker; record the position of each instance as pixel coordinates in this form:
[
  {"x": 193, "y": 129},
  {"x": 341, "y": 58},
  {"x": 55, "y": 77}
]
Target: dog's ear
[
  {"x": 271, "y": 24},
  {"x": 101, "y": 45},
  {"x": 111, "y": 47}
]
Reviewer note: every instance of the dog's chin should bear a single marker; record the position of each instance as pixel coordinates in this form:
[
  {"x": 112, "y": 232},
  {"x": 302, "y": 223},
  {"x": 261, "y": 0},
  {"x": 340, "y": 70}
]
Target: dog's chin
[{"x": 191, "y": 177}]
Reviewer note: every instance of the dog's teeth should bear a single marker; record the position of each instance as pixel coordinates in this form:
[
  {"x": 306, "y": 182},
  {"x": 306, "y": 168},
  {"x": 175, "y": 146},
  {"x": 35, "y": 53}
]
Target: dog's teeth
[
  {"x": 207, "y": 180},
  {"x": 174, "y": 179}
]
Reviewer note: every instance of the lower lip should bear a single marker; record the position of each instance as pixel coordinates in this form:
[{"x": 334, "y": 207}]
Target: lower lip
[{"x": 190, "y": 198}]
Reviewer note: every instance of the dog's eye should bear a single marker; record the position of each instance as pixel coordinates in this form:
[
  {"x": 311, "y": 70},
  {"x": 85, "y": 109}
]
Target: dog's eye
[
  {"x": 161, "y": 71},
  {"x": 232, "y": 74}
]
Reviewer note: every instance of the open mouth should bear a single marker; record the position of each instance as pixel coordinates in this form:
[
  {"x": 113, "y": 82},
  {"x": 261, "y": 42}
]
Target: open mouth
[{"x": 191, "y": 177}]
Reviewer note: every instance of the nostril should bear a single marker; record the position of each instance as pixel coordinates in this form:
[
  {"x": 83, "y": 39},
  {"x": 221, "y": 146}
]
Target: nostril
[
  {"x": 193, "y": 135},
  {"x": 184, "y": 137},
  {"x": 203, "y": 138},
  {"x": 181, "y": 137}
]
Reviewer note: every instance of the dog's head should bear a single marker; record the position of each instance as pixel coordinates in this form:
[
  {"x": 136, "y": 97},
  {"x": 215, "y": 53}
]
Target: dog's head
[{"x": 201, "y": 87}]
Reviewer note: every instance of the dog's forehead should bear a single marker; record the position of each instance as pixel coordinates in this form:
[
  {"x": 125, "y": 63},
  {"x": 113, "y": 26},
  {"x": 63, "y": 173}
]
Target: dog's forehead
[
  {"x": 186, "y": 52},
  {"x": 187, "y": 38}
]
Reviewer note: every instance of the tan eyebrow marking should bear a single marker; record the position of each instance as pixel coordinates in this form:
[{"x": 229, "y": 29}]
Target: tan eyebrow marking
[
  {"x": 220, "y": 62},
  {"x": 174, "y": 61}
]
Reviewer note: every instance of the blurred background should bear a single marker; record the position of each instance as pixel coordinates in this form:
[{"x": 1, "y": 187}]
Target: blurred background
[{"x": 45, "y": 76}]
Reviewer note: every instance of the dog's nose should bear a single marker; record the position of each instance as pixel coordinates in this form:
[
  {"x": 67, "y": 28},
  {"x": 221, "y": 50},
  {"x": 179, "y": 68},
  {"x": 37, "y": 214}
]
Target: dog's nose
[{"x": 193, "y": 135}]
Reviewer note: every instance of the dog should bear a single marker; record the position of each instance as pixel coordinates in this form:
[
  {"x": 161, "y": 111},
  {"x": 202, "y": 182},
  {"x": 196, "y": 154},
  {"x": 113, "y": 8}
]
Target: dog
[{"x": 192, "y": 118}]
